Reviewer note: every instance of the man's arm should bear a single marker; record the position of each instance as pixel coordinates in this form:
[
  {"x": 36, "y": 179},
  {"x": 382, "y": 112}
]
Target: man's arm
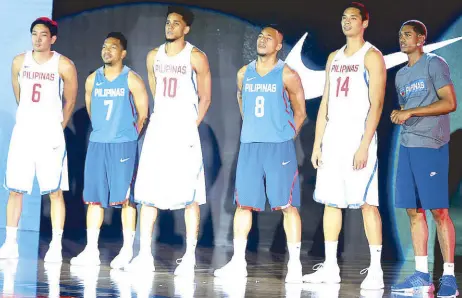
[
  {"x": 293, "y": 85},
  {"x": 15, "y": 69},
  {"x": 89, "y": 83},
  {"x": 239, "y": 80},
  {"x": 200, "y": 64},
  {"x": 375, "y": 65},
  {"x": 321, "y": 120},
  {"x": 151, "y": 76},
  {"x": 140, "y": 97},
  {"x": 68, "y": 74}
]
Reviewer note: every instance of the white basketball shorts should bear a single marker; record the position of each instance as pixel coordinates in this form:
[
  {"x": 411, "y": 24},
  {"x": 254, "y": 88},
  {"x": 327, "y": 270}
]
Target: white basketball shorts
[
  {"x": 337, "y": 183},
  {"x": 37, "y": 151},
  {"x": 171, "y": 171}
]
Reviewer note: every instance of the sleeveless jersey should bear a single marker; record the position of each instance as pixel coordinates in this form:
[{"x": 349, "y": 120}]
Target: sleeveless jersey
[
  {"x": 349, "y": 103},
  {"x": 176, "y": 90},
  {"x": 113, "y": 113},
  {"x": 41, "y": 88},
  {"x": 267, "y": 114}
]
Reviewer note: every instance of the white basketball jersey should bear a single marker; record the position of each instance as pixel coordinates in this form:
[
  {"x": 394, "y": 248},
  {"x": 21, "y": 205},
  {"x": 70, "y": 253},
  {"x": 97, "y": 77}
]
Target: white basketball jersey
[
  {"x": 40, "y": 99},
  {"x": 349, "y": 89},
  {"x": 176, "y": 89}
]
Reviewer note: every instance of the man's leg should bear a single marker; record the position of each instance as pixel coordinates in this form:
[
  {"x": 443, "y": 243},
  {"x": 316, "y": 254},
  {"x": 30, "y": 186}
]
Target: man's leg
[
  {"x": 446, "y": 239},
  {"x": 237, "y": 267},
  {"x": 188, "y": 261},
  {"x": 249, "y": 195},
  {"x": 373, "y": 229},
  {"x": 293, "y": 230},
  {"x": 58, "y": 216},
  {"x": 328, "y": 272},
  {"x": 145, "y": 261},
  {"x": 9, "y": 249},
  {"x": 128, "y": 230}
]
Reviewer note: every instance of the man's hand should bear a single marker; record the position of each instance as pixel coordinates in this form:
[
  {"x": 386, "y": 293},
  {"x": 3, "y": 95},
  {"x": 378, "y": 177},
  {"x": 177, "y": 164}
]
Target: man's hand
[
  {"x": 400, "y": 116},
  {"x": 360, "y": 158},
  {"x": 316, "y": 158}
]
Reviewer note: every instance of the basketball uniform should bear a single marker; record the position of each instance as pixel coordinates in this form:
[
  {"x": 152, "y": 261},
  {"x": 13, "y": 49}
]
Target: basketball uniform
[
  {"x": 267, "y": 164},
  {"x": 37, "y": 146},
  {"x": 337, "y": 183},
  {"x": 113, "y": 147},
  {"x": 171, "y": 171}
]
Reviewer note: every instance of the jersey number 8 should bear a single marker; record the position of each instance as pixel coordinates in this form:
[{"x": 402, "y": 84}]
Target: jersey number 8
[{"x": 260, "y": 106}]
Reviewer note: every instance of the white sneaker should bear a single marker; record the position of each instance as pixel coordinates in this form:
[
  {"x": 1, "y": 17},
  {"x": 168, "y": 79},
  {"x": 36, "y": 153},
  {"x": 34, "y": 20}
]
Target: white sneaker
[
  {"x": 122, "y": 259},
  {"x": 54, "y": 253},
  {"x": 236, "y": 268},
  {"x": 325, "y": 273},
  {"x": 374, "y": 293},
  {"x": 141, "y": 263},
  {"x": 294, "y": 272},
  {"x": 88, "y": 257},
  {"x": 184, "y": 288},
  {"x": 9, "y": 250},
  {"x": 373, "y": 280},
  {"x": 185, "y": 266}
]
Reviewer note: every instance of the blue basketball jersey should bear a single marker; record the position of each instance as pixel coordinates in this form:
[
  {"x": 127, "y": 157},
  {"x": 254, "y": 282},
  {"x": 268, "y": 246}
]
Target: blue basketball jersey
[
  {"x": 113, "y": 113},
  {"x": 268, "y": 116}
]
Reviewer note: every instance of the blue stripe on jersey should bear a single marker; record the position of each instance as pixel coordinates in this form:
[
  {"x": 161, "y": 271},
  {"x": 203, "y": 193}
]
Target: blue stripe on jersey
[
  {"x": 113, "y": 116},
  {"x": 268, "y": 116},
  {"x": 366, "y": 79}
]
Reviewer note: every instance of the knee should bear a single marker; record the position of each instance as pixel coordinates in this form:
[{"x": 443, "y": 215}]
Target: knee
[
  {"x": 192, "y": 206},
  {"x": 416, "y": 214},
  {"x": 15, "y": 195},
  {"x": 440, "y": 215},
  {"x": 366, "y": 208},
  {"x": 291, "y": 210},
  {"x": 56, "y": 196}
]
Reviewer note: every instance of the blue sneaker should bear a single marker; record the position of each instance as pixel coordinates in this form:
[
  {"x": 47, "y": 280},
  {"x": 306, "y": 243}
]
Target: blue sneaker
[
  {"x": 448, "y": 287},
  {"x": 418, "y": 282}
]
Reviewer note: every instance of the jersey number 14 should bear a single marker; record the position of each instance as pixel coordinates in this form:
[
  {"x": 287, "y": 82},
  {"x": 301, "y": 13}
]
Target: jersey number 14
[{"x": 344, "y": 87}]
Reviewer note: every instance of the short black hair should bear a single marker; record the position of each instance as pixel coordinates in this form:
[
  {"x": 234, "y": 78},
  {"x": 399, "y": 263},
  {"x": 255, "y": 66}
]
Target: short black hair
[
  {"x": 418, "y": 27},
  {"x": 120, "y": 37},
  {"x": 276, "y": 27},
  {"x": 186, "y": 13},
  {"x": 362, "y": 10},
  {"x": 49, "y": 23}
]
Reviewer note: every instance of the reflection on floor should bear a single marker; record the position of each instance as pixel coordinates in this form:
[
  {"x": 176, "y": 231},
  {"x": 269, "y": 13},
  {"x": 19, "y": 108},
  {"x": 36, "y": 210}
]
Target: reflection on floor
[{"x": 30, "y": 277}]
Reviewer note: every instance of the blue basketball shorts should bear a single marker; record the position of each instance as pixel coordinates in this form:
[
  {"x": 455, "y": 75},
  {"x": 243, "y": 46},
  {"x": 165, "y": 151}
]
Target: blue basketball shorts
[
  {"x": 109, "y": 173},
  {"x": 422, "y": 178},
  {"x": 267, "y": 170}
]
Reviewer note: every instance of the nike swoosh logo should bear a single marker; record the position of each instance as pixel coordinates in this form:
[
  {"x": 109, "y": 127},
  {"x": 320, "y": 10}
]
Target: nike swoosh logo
[
  {"x": 313, "y": 80},
  {"x": 124, "y": 160},
  {"x": 285, "y": 162},
  {"x": 97, "y": 84},
  {"x": 250, "y": 79}
]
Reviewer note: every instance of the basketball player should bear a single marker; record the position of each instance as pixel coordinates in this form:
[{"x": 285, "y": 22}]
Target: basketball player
[
  {"x": 171, "y": 173},
  {"x": 272, "y": 104},
  {"x": 40, "y": 79},
  {"x": 426, "y": 95},
  {"x": 117, "y": 103},
  {"x": 345, "y": 146}
]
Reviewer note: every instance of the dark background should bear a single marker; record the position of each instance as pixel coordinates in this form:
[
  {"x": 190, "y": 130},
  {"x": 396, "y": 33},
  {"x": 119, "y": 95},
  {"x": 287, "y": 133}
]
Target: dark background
[{"x": 226, "y": 31}]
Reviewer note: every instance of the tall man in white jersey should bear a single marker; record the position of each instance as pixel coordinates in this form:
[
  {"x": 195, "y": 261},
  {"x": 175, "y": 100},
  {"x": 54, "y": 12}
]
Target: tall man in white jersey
[
  {"x": 40, "y": 79},
  {"x": 171, "y": 172},
  {"x": 345, "y": 146}
]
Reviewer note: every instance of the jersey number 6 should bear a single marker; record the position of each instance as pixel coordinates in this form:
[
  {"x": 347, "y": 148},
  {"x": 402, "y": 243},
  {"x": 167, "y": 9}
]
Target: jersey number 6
[{"x": 36, "y": 92}]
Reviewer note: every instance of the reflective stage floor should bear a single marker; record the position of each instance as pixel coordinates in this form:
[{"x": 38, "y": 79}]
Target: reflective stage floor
[{"x": 30, "y": 277}]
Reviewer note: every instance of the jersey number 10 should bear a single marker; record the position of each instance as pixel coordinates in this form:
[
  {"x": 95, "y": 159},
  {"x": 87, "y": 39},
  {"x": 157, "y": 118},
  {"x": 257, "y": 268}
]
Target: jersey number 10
[{"x": 170, "y": 85}]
